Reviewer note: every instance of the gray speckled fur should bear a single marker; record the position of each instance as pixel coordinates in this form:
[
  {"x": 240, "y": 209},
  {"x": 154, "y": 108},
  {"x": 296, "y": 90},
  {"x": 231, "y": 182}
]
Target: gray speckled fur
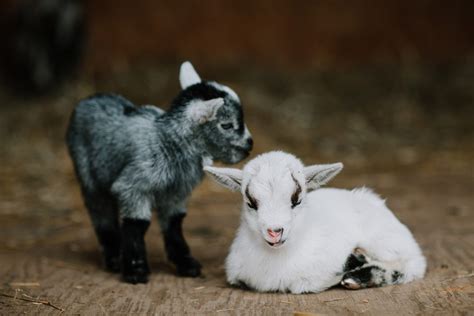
[
  {"x": 146, "y": 158},
  {"x": 130, "y": 160}
]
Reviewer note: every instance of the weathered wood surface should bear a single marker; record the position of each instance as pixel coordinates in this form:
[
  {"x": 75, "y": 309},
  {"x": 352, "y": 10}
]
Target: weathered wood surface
[
  {"x": 48, "y": 250},
  {"x": 65, "y": 264}
]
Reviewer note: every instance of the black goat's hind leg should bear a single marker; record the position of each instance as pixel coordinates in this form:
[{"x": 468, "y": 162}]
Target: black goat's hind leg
[
  {"x": 104, "y": 216},
  {"x": 176, "y": 247},
  {"x": 134, "y": 261}
]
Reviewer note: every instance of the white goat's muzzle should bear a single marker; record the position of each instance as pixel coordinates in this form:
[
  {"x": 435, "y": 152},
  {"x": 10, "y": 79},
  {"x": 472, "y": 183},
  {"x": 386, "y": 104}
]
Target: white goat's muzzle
[{"x": 274, "y": 237}]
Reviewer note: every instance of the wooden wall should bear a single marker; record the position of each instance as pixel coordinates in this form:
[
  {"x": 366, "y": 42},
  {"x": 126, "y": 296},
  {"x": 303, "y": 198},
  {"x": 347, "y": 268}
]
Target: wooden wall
[{"x": 297, "y": 33}]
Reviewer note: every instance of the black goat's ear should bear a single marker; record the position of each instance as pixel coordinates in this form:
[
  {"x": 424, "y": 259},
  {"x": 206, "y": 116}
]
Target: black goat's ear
[
  {"x": 230, "y": 178},
  {"x": 187, "y": 75},
  {"x": 318, "y": 175}
]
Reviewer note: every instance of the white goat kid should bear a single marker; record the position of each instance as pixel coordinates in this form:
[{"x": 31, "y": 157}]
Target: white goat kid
[{"x": 299, "y": 238}]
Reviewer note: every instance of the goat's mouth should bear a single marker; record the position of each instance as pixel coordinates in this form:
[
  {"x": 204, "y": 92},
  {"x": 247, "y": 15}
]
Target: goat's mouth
[
  {"x": 236, "y": 155},
  {"x": 276, "y": 244},
  {"x": 243, "y": 150}
]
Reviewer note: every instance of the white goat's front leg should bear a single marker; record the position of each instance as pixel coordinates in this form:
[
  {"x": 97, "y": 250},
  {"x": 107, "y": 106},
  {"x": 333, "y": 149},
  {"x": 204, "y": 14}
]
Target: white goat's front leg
[
  {"x": 234, "y": 263},
  {"x": 306, "y": 285}
]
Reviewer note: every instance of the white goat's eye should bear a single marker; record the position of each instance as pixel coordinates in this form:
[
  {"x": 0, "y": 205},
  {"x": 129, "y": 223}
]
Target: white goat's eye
[
  {"x": 252, "y": 203},
  {"x": 295, "y": 204},
  {"x": 227, "y": 125},
  {"x": 295, "y": 197},
  {"x": 252, "y": 206}
]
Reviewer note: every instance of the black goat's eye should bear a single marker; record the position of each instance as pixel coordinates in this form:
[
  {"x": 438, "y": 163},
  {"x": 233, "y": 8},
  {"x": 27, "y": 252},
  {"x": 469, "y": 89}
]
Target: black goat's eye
[{"x": 227, "y": 125}]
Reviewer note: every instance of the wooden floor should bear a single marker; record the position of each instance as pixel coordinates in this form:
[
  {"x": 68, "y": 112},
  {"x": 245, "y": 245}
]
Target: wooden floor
[{"x": 49, "y": 259}]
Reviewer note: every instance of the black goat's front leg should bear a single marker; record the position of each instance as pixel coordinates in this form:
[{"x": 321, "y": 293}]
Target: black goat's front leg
[
  {"x": 134, "y": 261},
  {"x": 177, "y": 248},
  {"x": 109, "y": 238}
]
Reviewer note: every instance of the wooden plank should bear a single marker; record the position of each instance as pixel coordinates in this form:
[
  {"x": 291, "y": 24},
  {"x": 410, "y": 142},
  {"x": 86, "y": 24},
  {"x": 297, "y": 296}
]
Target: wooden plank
[{"x": 70, "y": 277}]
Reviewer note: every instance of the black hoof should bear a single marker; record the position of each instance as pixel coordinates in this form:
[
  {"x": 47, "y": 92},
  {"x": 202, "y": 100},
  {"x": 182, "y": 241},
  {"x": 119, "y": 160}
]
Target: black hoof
[
  {"x": 112, "y": 264},
  {"x": 135, "y": 271},
  {"x": 189, "y": 267},
  {"x": 134, "y": 278},
  {"x": 351, "y": 284}
]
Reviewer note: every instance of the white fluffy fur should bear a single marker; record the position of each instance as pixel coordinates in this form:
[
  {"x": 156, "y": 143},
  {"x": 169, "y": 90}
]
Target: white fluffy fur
[{"x": 321, "y": 232}]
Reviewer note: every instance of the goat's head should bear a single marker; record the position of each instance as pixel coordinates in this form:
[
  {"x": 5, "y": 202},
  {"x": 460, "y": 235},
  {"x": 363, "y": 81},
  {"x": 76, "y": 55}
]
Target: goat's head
[
  {"x": 215, "y": 112},
  {"x": 274, "y": 187}
]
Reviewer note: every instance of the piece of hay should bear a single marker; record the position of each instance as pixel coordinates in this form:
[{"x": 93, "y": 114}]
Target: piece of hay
[
  {"x": 24, "y": 284},
  {"x": 305, "y": 314},
  {"x": 334, "y": 299},
  {"x": 470, "y": 275},
  {"x": 32, "y": 300}
]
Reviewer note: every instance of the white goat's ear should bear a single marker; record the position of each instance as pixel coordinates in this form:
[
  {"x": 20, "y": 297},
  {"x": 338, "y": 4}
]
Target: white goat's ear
[
  {"x": 187, "y": 75},
  {"x": 204, "y": 111},
  {"x": 228, "y": 177},
  {"x": 318, "y": 175}
]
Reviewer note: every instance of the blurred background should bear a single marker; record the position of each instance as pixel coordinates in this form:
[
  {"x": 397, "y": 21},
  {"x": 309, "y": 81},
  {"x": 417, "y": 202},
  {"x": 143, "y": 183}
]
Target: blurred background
[{"x": 387, "y": 87}]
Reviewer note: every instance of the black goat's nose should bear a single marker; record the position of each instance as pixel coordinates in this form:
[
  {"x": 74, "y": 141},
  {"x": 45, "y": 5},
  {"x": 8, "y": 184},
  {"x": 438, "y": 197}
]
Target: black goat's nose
[{"x": 250, "y": 143}]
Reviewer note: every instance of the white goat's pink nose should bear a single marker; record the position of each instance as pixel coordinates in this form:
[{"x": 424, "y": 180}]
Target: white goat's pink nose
[{"x": 275, "y": 233}]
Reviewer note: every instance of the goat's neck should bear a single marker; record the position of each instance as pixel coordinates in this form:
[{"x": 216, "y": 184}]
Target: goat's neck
[{"x": 178, "y": 131}]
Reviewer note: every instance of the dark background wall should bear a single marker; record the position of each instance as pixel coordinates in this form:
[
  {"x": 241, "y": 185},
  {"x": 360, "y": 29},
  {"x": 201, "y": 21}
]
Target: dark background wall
[
  {"x": 295, "y": 33},
  {"x": 285, "y": 33}
]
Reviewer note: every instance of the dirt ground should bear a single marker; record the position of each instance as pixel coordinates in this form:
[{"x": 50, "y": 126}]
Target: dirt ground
[{"x": 404, "y": 130}]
